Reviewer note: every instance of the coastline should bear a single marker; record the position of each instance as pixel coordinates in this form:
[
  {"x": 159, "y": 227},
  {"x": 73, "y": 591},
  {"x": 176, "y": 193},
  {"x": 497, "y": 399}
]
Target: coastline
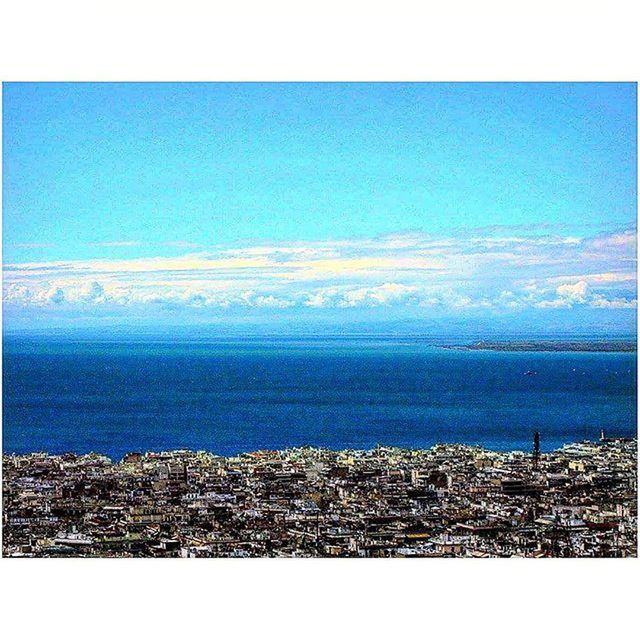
[
  {"x": 551, "y": 346},
  {"x": 162, "y": 453},
  {"x": 445, "y": 501}
]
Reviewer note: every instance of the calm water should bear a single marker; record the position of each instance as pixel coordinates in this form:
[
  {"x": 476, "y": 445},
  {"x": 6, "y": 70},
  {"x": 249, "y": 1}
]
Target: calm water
[{"x": 231, "y": 396}]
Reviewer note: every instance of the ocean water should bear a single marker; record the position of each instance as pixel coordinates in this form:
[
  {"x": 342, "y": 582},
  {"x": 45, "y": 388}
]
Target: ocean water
[{"x": 234, "y": 395}]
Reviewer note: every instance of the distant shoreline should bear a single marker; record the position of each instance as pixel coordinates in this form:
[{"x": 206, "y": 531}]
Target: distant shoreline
[
  {"x": 259, "y": 453},
  {"x": 607, "y": 346}
]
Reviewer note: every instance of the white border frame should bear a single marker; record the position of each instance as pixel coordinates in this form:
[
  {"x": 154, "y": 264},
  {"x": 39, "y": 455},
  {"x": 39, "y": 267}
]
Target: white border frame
[{"x": 347, "y": 40}]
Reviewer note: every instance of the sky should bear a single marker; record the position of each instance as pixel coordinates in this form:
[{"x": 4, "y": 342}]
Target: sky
[{"x": 422, "y": 207}]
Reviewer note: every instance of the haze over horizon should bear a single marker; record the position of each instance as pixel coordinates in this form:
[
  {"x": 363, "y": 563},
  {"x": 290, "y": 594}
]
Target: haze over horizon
[{"x": 475, "y": 208}]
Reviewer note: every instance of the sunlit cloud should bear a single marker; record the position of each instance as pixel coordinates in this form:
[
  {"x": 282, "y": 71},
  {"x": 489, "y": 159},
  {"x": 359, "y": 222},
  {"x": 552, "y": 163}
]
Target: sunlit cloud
[
  {"x": 504, "y": 273},
  {"x": 628, "y": 276}
]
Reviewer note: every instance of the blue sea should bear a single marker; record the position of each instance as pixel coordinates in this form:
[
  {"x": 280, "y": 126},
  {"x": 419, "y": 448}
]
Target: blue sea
[{"x": 234, "y": 395}]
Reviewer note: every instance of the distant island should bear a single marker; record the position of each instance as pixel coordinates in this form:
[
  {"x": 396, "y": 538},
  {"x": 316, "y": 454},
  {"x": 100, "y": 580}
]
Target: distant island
[{"x": 607, "y": 346}]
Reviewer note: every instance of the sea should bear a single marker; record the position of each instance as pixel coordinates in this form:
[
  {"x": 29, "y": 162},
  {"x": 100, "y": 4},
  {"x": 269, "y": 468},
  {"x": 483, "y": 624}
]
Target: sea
[{"x": 233, "y": 395}]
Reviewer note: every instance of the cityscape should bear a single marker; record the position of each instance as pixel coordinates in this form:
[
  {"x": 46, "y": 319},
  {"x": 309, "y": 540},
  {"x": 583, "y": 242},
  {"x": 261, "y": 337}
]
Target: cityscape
[
  {"x": 319, "y": 320},
  {"x": 446, "y": 501}
]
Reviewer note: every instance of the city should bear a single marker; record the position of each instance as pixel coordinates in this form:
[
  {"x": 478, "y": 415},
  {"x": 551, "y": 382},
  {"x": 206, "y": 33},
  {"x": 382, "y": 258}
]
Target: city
[{"x": 447, "y": 501}]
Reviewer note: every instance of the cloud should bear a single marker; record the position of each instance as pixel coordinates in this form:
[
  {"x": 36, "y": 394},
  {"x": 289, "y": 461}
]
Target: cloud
[
  {"x": 272, "y": 301},
  {"x": 626, "y": 239},
  {"x": 573, "y": 292},
  {"x": 16, "y": 293},
  {"x": 628, "y": 276},
  {"x": 387, "y": 293},
  {"x": 508, "y": 272},
  {"x": 579, "y": 293},
  {"x": 181, "y": 244},
  {"x": 117, "y": 243},
  {"x": 55, "y": 295},
  {"x": 92, "y": 291},
  {"x": 346, "y": 266},
  {"x": 278, "y": 252},
  {"x": 600, "y": 302},
  {"x": 33, "y": 245},
  {"x": 321, "y": 298},
  {"x": 557, "y": 303}
]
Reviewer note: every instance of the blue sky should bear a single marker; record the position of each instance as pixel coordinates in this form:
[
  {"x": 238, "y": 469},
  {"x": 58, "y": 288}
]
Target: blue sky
[{"x": 162, "y": 204}]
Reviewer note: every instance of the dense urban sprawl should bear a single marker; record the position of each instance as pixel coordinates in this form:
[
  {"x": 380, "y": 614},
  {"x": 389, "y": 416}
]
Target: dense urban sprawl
[{"x": 450, "y": 500}]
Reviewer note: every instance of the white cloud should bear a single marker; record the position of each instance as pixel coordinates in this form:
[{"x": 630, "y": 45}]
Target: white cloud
[
  {"x": 272, "y": 301},
  {"x": 557, "y": 303},
  {"x": 508, "y": 272},
  {"x": 33, "y": 245},
  {"x": 600, "y": 302},
  {"x": 321, "y": 298},
  {"x": 17, "y": 293},
  {"x": 573, "y": 292},
  {"x": 626, "y": 239},
  {"x": 181, "y": 244},
  {"x": 384, "y": 294},
  {"x": 92, "y": 291},
  {"x": 591, "y": 278},
  {"x": 54, "y": 295},
  {"x": 117, "y": 243}
]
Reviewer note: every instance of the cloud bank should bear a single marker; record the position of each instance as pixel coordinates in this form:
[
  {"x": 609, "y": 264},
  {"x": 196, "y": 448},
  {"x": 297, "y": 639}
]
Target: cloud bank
[{"x": 495, "y": 270}]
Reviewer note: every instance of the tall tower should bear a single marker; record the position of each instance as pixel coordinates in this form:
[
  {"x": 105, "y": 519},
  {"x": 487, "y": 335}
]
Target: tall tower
[{"x": 536, "y": 449}]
